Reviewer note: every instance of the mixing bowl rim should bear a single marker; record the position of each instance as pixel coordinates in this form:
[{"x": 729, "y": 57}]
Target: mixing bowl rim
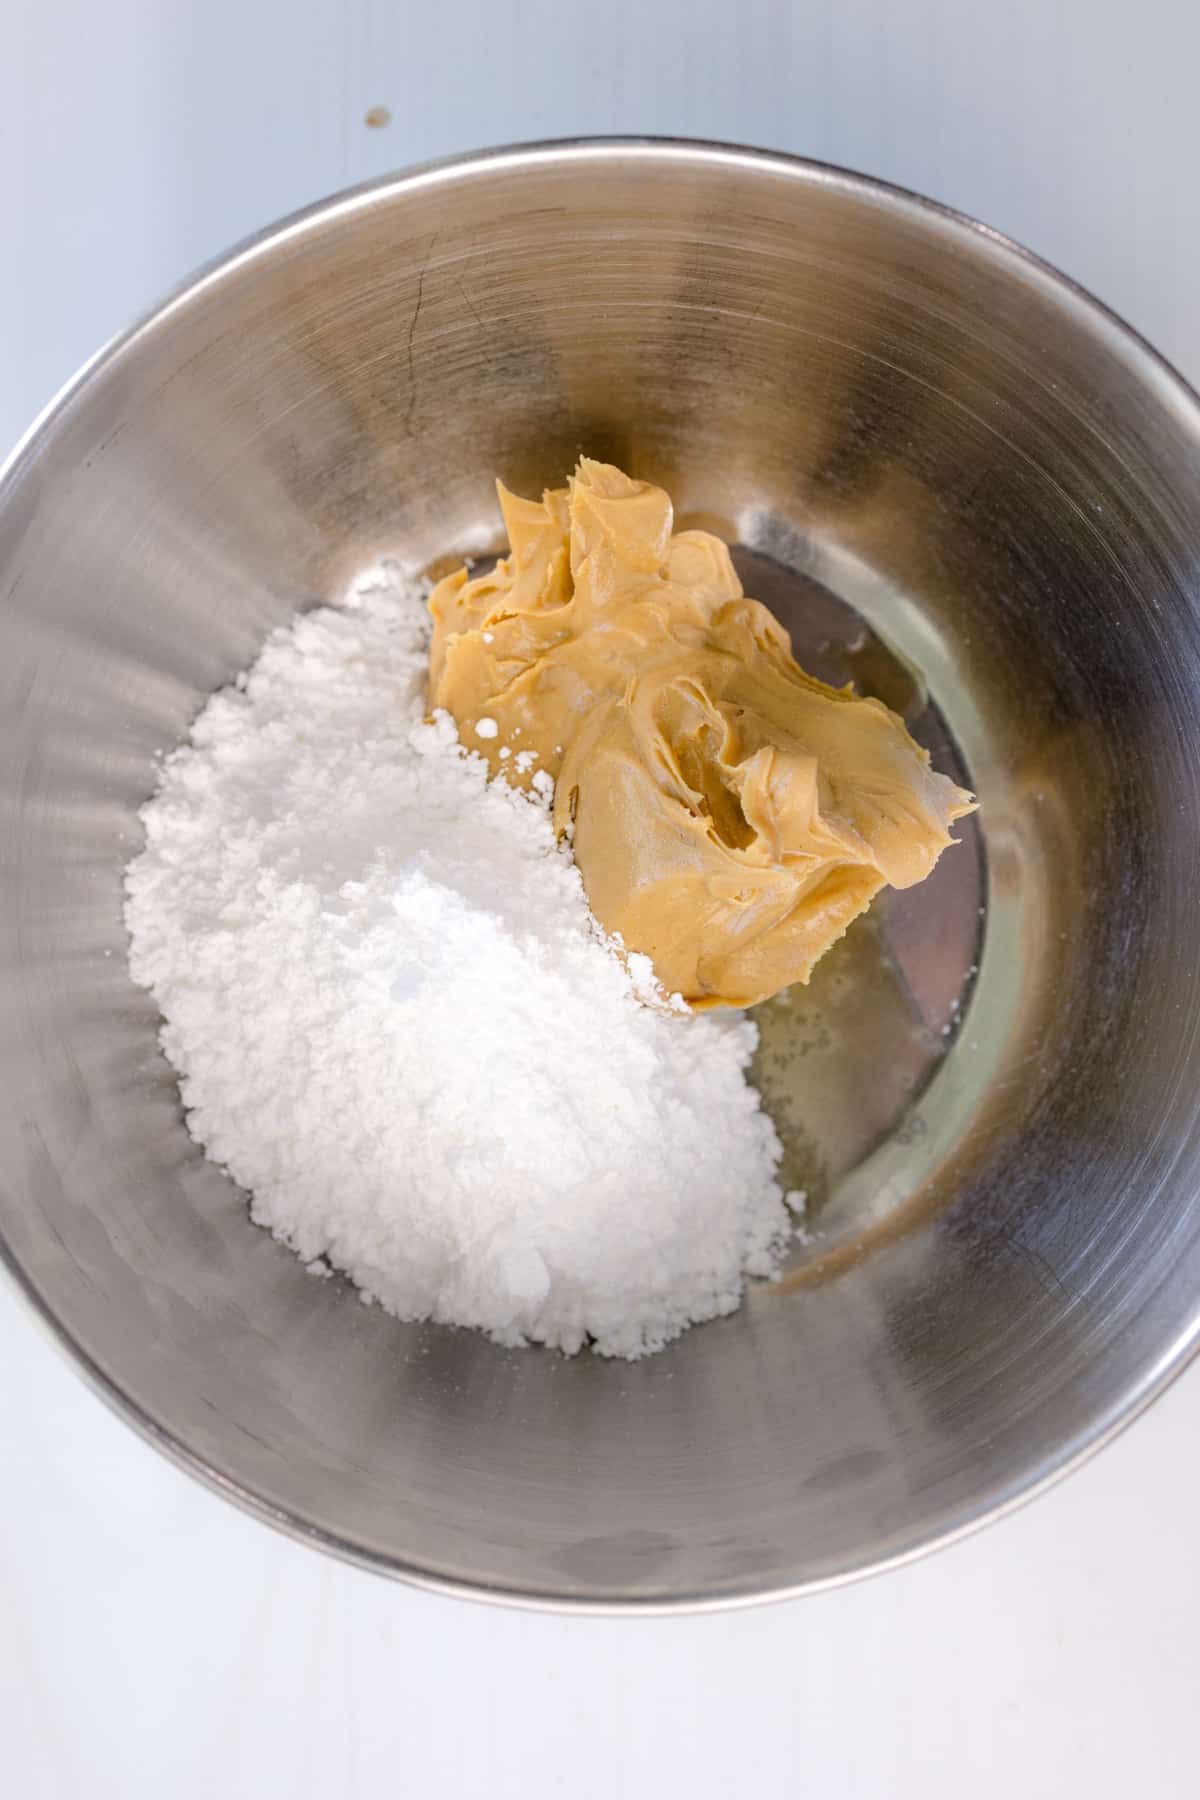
[
  {"x": 700, "y": 151},
  {"x": 1162, "y": 378}
]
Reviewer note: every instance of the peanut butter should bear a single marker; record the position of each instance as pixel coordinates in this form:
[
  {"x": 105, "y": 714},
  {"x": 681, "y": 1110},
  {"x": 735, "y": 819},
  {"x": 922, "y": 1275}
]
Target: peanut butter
[{"x": 730, "y": 815}]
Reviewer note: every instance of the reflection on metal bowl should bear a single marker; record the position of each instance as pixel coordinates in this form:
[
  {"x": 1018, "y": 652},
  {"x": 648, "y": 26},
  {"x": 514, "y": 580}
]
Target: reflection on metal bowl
[{"x": 953, "y": 475}]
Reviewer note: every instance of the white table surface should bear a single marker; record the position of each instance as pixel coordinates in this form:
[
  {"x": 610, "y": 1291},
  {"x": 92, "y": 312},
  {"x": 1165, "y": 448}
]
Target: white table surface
[{"x": 152, "y": 1640}]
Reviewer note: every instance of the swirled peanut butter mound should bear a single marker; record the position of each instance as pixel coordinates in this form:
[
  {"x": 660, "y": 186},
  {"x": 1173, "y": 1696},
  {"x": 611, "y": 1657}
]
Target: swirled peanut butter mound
[{"x": 730, "y": 815}]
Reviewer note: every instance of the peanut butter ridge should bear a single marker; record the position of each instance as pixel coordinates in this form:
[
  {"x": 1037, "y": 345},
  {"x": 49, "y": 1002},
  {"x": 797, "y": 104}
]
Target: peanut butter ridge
[{"x": 730, "y": 815}]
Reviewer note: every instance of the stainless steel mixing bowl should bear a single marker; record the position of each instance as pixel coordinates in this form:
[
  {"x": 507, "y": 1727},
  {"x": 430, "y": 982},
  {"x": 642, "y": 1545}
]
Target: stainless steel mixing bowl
[{"x": 871, "y": 395}]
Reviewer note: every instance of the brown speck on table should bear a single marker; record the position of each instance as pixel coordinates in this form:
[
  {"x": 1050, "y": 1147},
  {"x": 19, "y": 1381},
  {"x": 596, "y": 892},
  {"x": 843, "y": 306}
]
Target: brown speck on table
[{"x": 377, "y": 117}]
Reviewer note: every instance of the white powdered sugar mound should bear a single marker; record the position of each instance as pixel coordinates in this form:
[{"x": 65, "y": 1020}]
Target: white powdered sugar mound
[{"x": 396, "y": 1023}]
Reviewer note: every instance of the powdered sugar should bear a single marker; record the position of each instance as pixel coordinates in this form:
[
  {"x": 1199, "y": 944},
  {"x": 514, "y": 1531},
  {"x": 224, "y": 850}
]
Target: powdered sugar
[{"x": 397, "y": 1025}]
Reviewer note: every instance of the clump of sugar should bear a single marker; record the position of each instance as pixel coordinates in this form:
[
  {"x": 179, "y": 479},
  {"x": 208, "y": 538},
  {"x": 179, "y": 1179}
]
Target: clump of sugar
[{"x": 397, "y": 1025}]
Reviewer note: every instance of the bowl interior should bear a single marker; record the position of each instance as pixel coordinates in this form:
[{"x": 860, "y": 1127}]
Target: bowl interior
[{"x": 896, "y": 416}]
